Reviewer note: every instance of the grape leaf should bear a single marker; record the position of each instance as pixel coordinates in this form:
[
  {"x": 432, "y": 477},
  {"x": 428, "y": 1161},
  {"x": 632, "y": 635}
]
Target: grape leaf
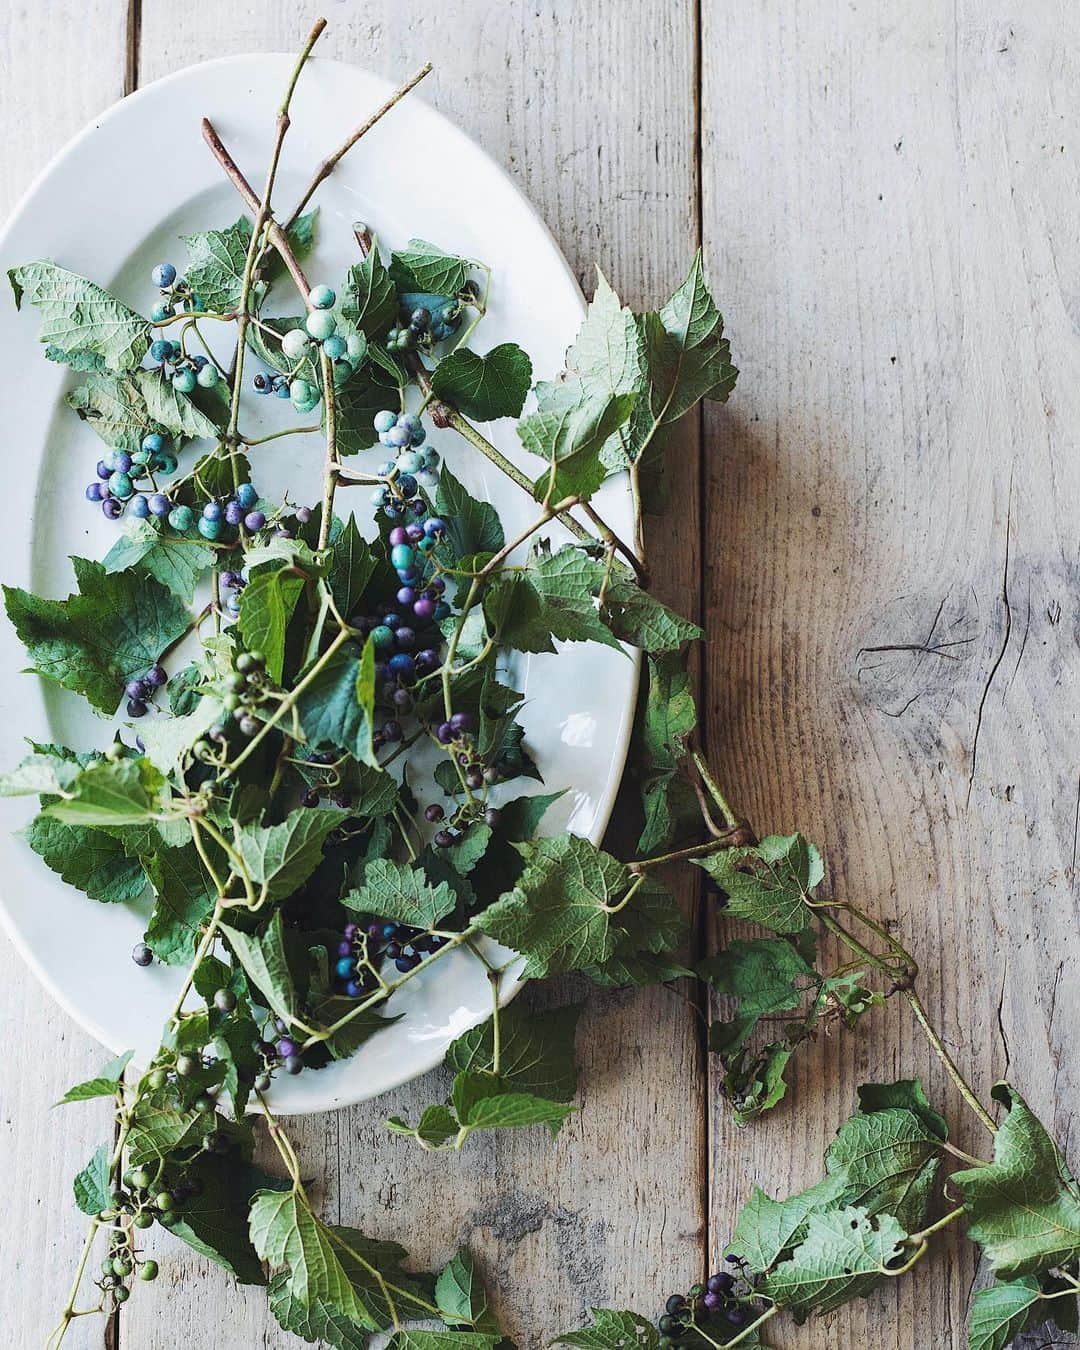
[
  {"x": 90, "y": 860},
  {"x": 637, "y": 617},
  {"x": 568, "y": 429},
  {"x": 42, "y": 772},
  {"x": 367, "y": 299},
  {"x": 214, "y": 1222},
  {"x": 178, "y": 413},
  {"x": 612, "y": 1330},
  {"x": 891, "y": 1160},
  {"x": 92, "y": 1186},
  {"x": 104, "y": 1083},
  {"x": 484, "y": 387},
  {"x": 337, "y": 708},
  {"x": 844, "y": 1254},
  {"x": 315, "y": 1321},
  {"x": 185, "y": 900},
  {"x": 424, "y": 267},
  {"x": 765, "y": 975},
  {"x": 666, "y": 720},
  {"x": 1024, "y": 1208},
  {"x": 97, "y": 640},
  {"x": 78, "y": 317},
  {"x": 461, "y": 1297},
  {"x": 650, "y": 926},
  {"x": 536, "y": 1050},
  {"x": 481, "y": 1104},
  {"x": 559, "y": 915},
  {"x": 216, "y": 270},
  {"x": 167, "y": 738},
  {"x": 353, "y": 566},
  {"x": 267, "y": 603},
  {"x": 263, "y": 958},
  {"x": 437, "y": 1126},
  {"x": 908, "y": 1094},
  {"x": 768, "y": 883},
  {"x": 115, "y": 409},
  {"x": 110, "y": 793},
  {"x": 766, "y": 1229},
  {"x": 281, "y": 857},
  {"x": 356, "y": 404},
  {"x": 1002, "y": 1311},
  {"x": 471, "y": 526},
  {"x": 174, "y": 560},
  {"x": 402, "y": 894},
  {"x": 158, "y": 1131},
  {"x": 550, "y": 597}
]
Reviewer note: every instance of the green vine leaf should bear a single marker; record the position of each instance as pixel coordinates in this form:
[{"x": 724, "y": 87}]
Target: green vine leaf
[
  {"x": 438, "y": 1125},
  {"x": 484, "y": 387},
  {"x": 472, "y": 526},
  {"x": 313, "y": 1322},
  {"x": 178, "y": 413},
  {"x": 768, "y": 883},
  {"x": 367, "y": 299},
  {"x": 185, "y": 899},
  {"x": 768, "y": 1229},
  {"x": 461, "y": 1297},
  {"x": 336, "y": 710},
  {"x": 1024, "y": 1208},
  {"x": 637, "y": 617},
  {"x": 216, "y": 269},
  {"x": 650, "y": 927},
  {"x": 97, "y": 640},
  {"x": 281, "y": 857},
  {"x": 103, "y": 1084},
  {"x": 568, "y": 429},
  {"x": 267, "y": 604},
  {"x": 550, "y": 597},
  {"x": 214, "y": 1222},
  {"x": 110, "y": 793},
  {"x": 91, "y": 1186},
  {"x": 78, "y": 317},
  {"x": 843, "y": 1256},
  {"x": 177, "y": 562},
  {"x": 612, "y": 1330},
  {"x": 354, "y": 566},
  {"x": 88, "y": 859},
  {"x": 891, "y": 1160},
  {"x": 424, "y": 267},
  {"x": 765, "y": 975},
  {"x": 265, "y": 963},
  {"x": 402, "y": 894},
  {"x": 114, "y": 408},
  {"x": 666, "y": 719},
  {"x": 559, "y": 916},
  {"x": 536, "y": 1051},
  {"x": 1000, "y": 1313}
]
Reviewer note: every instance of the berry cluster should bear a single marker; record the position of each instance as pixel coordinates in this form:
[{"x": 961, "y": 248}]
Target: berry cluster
[
  {"x": 725, "y": 1300},
  {"x": 372, "y": 940},
  {"x": 247, "y": 690},
  {"x": 177, "y": 297},
  {"x": 283, "y": 1052},
  {"x": 119, "y": 474},
  {"x": 140, "y": 691},
  {"x": 425, "y": 319},
  {"x": 185, "y": 372},
  {"x": 300, "y": 345}
]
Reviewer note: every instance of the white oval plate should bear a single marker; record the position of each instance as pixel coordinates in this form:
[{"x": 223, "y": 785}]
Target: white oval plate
[{"x": 110, "y": 206}]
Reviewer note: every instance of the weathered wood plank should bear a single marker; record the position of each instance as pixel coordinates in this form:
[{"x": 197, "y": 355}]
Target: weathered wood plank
[
  {"x": 76, "y": 51},
  {"x": 889, "y": 214},
  {"x": 613, "y": 1212}
]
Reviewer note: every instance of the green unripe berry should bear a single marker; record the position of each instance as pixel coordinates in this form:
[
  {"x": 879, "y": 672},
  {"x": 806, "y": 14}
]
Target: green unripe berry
[
  {"x": 208, "y": 376},
  {"x": 320, "y": 323},
  {"x": 335, "y": 347},
  {"x": 303, "y": 391},
  {"x": 184, "y": 381},
  {"x": 181, "y": 518},
  {"x": 141, "y": 1178},
  {"x": 121, "y": 1293},
  {"x": 149, "y": 1270},
  {"x": 224, "y": 1000},
  {"x": 186, "y": 1065},
  {"x": 163, "y": 1201},
  {"x": 342, "y": 371},
  {"x": 355, "y": 346},
  {"x": 157, "y": 1079},
  {"x": 168, "y": 1220},
  {"x": 143, "y": 1219},
  {"x": 121, "y": 1266}
]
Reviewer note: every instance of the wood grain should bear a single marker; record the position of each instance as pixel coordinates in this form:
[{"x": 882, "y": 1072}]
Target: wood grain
[{"x": 889, "y": 214}]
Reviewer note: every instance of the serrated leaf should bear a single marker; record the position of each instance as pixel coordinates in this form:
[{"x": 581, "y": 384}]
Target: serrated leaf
[
  {"x": 768, "y": 883},
  {"x": 336, "y": 710},
  {"x": 114, "y": 408},
  {"x": 178, "y": 413},
  {"x": 423, "y": 267},
  {"x": 265, "y": 964},
  {"x": 110, "y": 793},
  {"x": 536, "y": 1050},
  {"x": 88, "y": 859},
  {"x": 177, "y": 562},
  {"x": 667, "y": 718},
  {"x": 1003, "y": 1311},
  {"x": 766, "y": 1228},
  {"x": 437, "y": 1126},
  {"x": 471, "y": 526},
  {"x": 907, "y": 1094},
  {"x": 402, "y": 894},
  {"x": 569, "y": 429},
  {"x": 1024, "y": 1208},
  {"x": 267, "y": 604},
  {"x": 167, "y": 738},
  {"x": 103, "y": 1084},
  {"x": 550, "y": 597},
  {"x": 650, "y": 926},
  {"x": 559, "y": 916},
  {"x": 844, "y": 1254},
  {"x": 214, "y": 1223},
  {"x": 158, "y": 1131},
  {"x": 353, "y": 565},
  {"x": 612, "y": 1330},
  {"x": 367, "y": 299},
  {"x": 313, "y": 1322},
  {"x": 216, "y": 269},
  {"x": 461, "y": 1297},
  {"x": 637, "y": 617},
  {"x": 92, "y": 1186},
  {"x": 484, "y": 387},
  {"x": 504, "y": 1110},
  {"x": 281, "y": 857},
  {"x": 40, "y": 773},
  {"x": 77, "y": 316},
  {"x": 98, "y": 639},
  {"x": 765, "y": 975},
  {"x": 185, "y": 900},
  {"x": 356, "y": 404},
  {"x": 890, "y": 1159}
]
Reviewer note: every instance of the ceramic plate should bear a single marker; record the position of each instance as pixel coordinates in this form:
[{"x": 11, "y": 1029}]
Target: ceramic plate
[{"x": 110, "y": 206}]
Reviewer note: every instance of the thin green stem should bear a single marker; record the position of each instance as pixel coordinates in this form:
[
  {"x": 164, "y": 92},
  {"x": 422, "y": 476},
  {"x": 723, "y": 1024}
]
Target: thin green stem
[
  {"x": 715, "y": 845},
  {"x": 938, "y": 1047},
  {"x": 748, "y": 1331},
  {"x": 915, "y": 1239},
  {"x": 726, "y": 809}
]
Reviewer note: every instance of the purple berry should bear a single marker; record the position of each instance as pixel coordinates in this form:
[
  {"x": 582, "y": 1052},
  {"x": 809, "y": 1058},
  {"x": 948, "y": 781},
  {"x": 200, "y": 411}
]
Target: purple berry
[
  {"x": 93, "y": 494},
  {"x": 156, "y": 676},
  {"x": 434, "y": 526},
  {"x": 391, "y": 731},
  {"x": 234, "y": 513},
  {"x": 433, "y": 813},
  {"x": 405, "y": 596},
  {"x": 136, "y": 708},
  {"x": 135, "y": 689},
  {"x": 424, "y": 609},
  {"x": 287, "y": 1047},
  {"x": 461, "y": 721},
  {"x": 160, "y": 504},
  {"x": 111, "y": 509},
  {"x": 254, "y": 520},
  {"x": 445, "y": 733},
  {"x": 103, "y": 471},
  {"x": 398, "y": 536},
  {"x": 444, "y": 839}
]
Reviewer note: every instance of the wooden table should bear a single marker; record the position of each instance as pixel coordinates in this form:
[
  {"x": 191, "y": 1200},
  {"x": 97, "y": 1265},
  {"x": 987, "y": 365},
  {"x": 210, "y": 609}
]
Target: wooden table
[{"x": 879, "y": 533}]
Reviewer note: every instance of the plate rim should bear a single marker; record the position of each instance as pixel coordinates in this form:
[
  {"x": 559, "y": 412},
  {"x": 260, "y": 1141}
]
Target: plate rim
[{"x": 622, "y": 741}]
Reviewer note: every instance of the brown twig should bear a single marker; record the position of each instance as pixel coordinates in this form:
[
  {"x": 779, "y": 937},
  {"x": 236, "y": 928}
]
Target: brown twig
[{"x": 328, "y": 165}]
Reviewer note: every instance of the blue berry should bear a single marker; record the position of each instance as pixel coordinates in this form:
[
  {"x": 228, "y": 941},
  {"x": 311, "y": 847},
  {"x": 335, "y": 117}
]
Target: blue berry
[
  {"x": 159, "y": 504},
  {"x": 160, "y": 350},
  {"x": 378, "y": 496},
  {"x": 103, "y": 471},
  {"x": 184, "y": 381},
  {"x": 262, "y": 384},
  {"x": 234, "y": 513},
  {"x": 401, "y": 663},
  {"x": 419, "y": 435},
  {"x": 396, "y": 436},
  {"x": 345, "y": 968},
  {"x": 384, "y": 420},
  {"x": 210, "y": 529},
  {"x": 121, "y": 461},
  {"x": 212, "y": 511},
  {"x": 408, "y": 462},
  {"x": 402, "y": 556},
  {"x": 353, "y": 990},
  {"x": 246, "y": 496},
  {"x": 164, "y": 274},
  {"x": 286, "y": 1047},
  {"x": 161, "y": 310},
  {"x": 281, "y": 391},
  {"x": 335, "y": 347},
  {"x": 140, "y": 507},
  {"x": 93, "y": 492},
  {"x": 322, "y": 297}
]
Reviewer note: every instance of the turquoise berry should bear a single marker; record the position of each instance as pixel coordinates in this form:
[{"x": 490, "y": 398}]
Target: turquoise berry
[
  {"x": 141, "y": 457},
  {"x": 161, "y": 311},
  {"x": 342, "y": 371},
  {"x": 355, "y": 346},
  {"x": 160, "y": 350},
  {"x": 181, "y": 518},
  {"x": 320, "y": 323},
  {"x": 152, "y": 442},
  {"x": 120, "y": 485},
  {"x": 246, "y": 496},
  {"x": 402, "y": 556},
  {"x": 335, "y": 347},
  {"x": 322, "y": 297},
  {"x": 382, "y": 637},
  {"x": 166, "y": 462},
  {"x": 184, "y": 381},
  {"x": 302, "y": 391},
  {"x": 378, "y": 496},
  {"x": 384, "y": 420},
  {"x": 210, "y": 529},
  {"x": 427, "y": 543},
  {"x": 208, "y": 376},
  {"x": 409, "y": 462}
]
